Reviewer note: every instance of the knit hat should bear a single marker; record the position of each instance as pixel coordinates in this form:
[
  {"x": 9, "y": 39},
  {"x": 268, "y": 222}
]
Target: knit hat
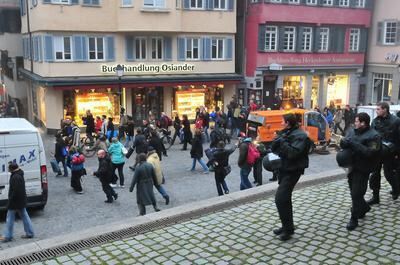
[{"x": 12, "y": 166}]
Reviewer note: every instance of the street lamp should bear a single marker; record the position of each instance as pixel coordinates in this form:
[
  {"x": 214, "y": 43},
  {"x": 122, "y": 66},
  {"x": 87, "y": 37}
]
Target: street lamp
[{"x": 120, "y": 72}]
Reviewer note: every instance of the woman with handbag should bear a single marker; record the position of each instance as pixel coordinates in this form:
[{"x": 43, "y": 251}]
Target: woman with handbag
[
  {"x": 60, "y": 154},
  {"x": 117, "y": 151}
]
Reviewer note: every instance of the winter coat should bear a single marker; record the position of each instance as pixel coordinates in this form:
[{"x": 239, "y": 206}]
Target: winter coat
[
  {"x": 104, "y": 171},
  {"x": 130, "y": 128},
  {"x": 76, "y": 161},
  {"x": 177, "y": 123},
  {"x": 140, "y": 144},
  {"x": 243, "y": 149},
  {"x": 115, "y": 151},
  {"x": 292, "y": 146},
  {"x": 197, "y": 147},
  {"x": 388, "y": 128},
  {"x": 186, "y": 130},
  {"x": 60, "y": 146},
  {"x": 154, "y": 160},
  {"x": 158, "y": 145},
  {"x": 144, "y": 178},
  {"x": 16, "y": 193},
  {"x": 338, "y": 117},
  {"x": 89, "y": 123}
]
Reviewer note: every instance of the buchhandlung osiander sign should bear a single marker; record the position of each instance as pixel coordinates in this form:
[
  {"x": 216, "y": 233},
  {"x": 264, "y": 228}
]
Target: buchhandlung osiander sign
[{"x": 149, "y": 68}]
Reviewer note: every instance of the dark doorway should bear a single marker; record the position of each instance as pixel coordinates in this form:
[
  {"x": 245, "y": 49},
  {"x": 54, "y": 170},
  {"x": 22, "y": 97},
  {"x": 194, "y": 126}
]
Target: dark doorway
[
  {"x": 269, "y": 90},
  {"x": 144, "y": 100}
]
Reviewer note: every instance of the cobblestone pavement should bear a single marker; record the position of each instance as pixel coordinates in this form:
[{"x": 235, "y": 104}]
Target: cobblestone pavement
[
  {"x": 68, "y": 212},
  {"x": 243, "y": 235}
]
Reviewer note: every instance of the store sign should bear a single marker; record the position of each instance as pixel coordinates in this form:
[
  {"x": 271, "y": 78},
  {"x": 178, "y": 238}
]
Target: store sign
[
  {"x": 310, "y": 59},
  {"x": 149, "y": 68},
  {"x": 392, "y": 57}
]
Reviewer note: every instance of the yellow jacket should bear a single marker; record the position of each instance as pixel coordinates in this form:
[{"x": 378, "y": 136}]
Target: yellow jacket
[{"x": 154, "y": 160}]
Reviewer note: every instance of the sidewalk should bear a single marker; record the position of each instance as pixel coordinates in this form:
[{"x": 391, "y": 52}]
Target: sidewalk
[{"x": 243, "y": 235}]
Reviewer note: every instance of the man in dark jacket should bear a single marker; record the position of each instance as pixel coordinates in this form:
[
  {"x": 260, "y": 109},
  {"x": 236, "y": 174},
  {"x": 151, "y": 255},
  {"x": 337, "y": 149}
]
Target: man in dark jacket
[
  {"x": 365, "y": 144},
  {"x": 105, "y": 175},
  {"x": 61, "y": 154},
  {"x": 89, "y": 122},
  {"x": 140, "y": 144},
  {"x": 292, "y": 145},
  {"x": 388, "y": 127},
  {"x": 348, "y": 118},
  {"x": 16, "y": 204},
  {"x": 245, "y": 168}
]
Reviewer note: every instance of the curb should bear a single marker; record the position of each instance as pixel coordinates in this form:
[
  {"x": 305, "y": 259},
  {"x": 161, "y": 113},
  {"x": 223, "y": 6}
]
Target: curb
[{"x": 164, "y": 218}]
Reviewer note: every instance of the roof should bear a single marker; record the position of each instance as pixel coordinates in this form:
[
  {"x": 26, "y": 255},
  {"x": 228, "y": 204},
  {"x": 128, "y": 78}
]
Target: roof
[{"x": 16, "y": 124}]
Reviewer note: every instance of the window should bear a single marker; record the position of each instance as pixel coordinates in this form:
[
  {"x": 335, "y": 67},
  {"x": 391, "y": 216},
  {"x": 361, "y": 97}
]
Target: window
[
  {"x": 196, "y": 3},
  {"x": 126, "y": 3},
  {"x": 306, "y": 40},
  {"x": 156, "y": 48},
  {"x": 382, "y": 87},
  {"x": 294, "y": 1},
  {"x": 154, "y": 3},
  {"x": 311, "y": 2},
  {"x": 217, "y": 48},
  {"x": 390, "y": 32},
  {"x": 140, "y": 48},
  {"x": 91, "y": 2},
  {"x": 289, "y": 39},
  {"x": 270, "y": 38},
  {"x": 62, "y": 48},
  {"x": 192, "y": 48},
  {"x": 60, "y": 1},
  {"x": 360, "y": 3},
  {"x": 354, "y": 40},
  {"x": 276, "y": 1},
  {"x": 96, "y": 48},
  {"x": 327, "y": 2},
  {"x": 220, "y": 4},
  {"x": 323, "y": 39},
  {"x": 343, "y": 2}
]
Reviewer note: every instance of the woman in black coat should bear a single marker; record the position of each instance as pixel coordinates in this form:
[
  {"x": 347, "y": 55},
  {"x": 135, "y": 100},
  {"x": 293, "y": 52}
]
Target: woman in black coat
[
  {"x": 177, "y": 127},
  {"x": 187, "y": 132},
  {"x": 110, "y": 129},
  {"x": 157, "y": 144},
  {"x": 197, "y": 151},
  {"x": 61, "y": 154}
]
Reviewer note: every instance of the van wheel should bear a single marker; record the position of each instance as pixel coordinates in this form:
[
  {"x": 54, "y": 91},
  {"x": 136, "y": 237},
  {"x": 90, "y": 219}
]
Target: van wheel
[
  {"x": 312, "y": 149},
  {"x": 39, "y": 208}
]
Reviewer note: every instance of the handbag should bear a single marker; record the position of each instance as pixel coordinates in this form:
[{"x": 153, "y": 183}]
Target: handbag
[
  {"x": 130, "y": 152},
  {"x": 124, "y": 151}
]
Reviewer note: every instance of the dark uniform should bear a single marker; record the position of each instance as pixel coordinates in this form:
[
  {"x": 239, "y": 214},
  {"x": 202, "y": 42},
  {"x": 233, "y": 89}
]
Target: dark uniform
[
  {"x": 389, "y": 129},
  {"x": 292, "y": 147},
  {"x": 365, "y": 144}
]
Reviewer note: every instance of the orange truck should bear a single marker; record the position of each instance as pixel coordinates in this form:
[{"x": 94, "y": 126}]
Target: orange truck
[{"x": 263, "y": 125}]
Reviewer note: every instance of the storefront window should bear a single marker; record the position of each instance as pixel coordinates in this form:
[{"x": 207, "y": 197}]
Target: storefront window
[
  {"x": 98, "y": 101},
  {"x": 293, "y": 91},
  {"x": 337, "y": 90},
  {"x": 188, "y": 99},
  {"x": 314, "y": 91},
  {"x": 147, "y": 100},
  {"x": 382, "y": 87}
]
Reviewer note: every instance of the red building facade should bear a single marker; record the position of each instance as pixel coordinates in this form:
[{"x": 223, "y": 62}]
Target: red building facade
[{"x": 310, "y": 52}]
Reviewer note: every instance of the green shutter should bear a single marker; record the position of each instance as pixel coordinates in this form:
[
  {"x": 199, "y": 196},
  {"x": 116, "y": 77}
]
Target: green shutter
[
  {"x": 228, "y": 43},
  {"x": 261, "y": 37},
  {"x": 167, "y": 48},
  {"x": 299, "y": 38},
  {"x": 379, "y": 36},
  {"x": 363, "y": 40},
  {"x": 181, "y": 49},
  {"x": 130, "y": 48}
]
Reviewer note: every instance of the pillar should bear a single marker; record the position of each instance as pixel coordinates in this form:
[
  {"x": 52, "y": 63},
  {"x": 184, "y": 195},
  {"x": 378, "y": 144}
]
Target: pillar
[{"x": 307, "y": 91}]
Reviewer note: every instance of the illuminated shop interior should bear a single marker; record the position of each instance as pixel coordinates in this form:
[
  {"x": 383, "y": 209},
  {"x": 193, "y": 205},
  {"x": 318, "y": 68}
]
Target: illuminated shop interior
[
  {"x": 293, "y": 87},
  {"x": 337, "y": 89}
]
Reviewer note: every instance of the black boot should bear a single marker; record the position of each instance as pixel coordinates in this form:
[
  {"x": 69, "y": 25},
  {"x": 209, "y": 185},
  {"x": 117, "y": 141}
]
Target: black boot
[
  {"x": 353, "y": 223},
  {"x": 373, "y": 200},
  {"x": 279, "y": 231},
  {"x": 166, "y": 199}
]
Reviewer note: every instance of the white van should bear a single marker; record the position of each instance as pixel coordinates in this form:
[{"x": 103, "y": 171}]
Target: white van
[
  {"x": 21, "y": 142},
  {"x": 371, "y": 110}
]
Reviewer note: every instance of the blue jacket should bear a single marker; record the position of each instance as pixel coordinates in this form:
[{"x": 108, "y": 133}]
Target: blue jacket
[{"x": 115, "y": 151}]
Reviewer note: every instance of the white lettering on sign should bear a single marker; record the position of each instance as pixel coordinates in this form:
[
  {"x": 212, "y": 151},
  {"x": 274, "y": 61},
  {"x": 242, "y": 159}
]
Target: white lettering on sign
[
  {"x": 392, "y": 57},
  {"x": 148, "y": 68}
]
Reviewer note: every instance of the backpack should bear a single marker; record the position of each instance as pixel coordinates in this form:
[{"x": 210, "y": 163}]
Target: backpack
[
  {"x": 169, "y": 121},
  {"x": 252, "y": 154}
]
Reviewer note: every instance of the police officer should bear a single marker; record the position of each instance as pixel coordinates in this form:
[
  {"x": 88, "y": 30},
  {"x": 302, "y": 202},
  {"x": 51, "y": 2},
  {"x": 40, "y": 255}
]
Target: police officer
[
  {"x": 292, "y": 146},
  {"x": 388, "y": 127},
  {"x": 365, "y": 144}
]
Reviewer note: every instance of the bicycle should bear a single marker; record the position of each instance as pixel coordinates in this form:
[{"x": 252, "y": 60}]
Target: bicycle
[{"x": 165, "y": 136}]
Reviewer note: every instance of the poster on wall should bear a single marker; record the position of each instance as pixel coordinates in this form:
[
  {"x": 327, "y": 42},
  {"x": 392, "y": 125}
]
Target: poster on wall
[{"x": 187, "y": 102}]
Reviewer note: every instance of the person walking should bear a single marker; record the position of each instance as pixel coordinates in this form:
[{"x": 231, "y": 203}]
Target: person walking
[
  {"x": 118, "y": 161},
  {"x": 197, "y": 151},
  {"x": 186, "y": 131},
  {"x": 364, "y": 144},
  {"x": 144, "y": 178},
  {"x": 337, "y": 119},
  {"x": 76, "y": 135},
  {"x": 130, "y": 131},
  {"x": 388, "y": 127},
  {"x": 76, "y": 161},
  {"x": 103, "y": 125},
  {"x": 123, "y": 123},
  {"x": 140, "y": 145},
  {"x": 110, "y": 129},
  {"x": 348, "y": 118},
  {"x": 206, "y": 124},
  {"x": 90, "y": 127},
  {"x": 154, "y": 160},
  {"x": 16, "y": 204},
  {"x": 220, "y": 161},
  {"x": 245, "y": 167},
  {"x": 98, "y": 124},
  {"x": 61, "y": 154},
  {"x": 292, "y": 146},
  {"x": 157, "y": 144},
  {"x": 177, "y": 127},
  {"x": 105, "y": 175}
]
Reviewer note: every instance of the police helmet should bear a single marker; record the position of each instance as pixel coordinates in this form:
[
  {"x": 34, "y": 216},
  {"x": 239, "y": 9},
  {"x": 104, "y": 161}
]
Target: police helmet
[{"x": 344, "y": 158}]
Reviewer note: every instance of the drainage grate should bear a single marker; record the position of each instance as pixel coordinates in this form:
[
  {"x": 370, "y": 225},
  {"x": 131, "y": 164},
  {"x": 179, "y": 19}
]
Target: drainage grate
[{"x": 143, "y": 228}]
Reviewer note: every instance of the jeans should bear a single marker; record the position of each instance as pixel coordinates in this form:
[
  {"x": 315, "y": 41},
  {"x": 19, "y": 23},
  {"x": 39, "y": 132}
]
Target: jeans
[
  {"x": 204, "y": 166},
  {"x": 205, "y": 129},
  {"x": 161, "y": 190},
  {"x": 244, "y": 178},
  {"x": 128, "y": 140},
  {"x": 120, "y": 168},
  {"x": 64, "y": 166},
  {"x": 8, "y": 233}
]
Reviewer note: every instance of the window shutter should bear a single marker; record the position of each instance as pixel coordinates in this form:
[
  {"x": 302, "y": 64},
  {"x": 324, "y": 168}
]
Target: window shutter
[
  {"x": 78, "y": 48},
  {"x": 299, "y": 41},
  {"x": 228, "y": 43},
  {"x": 29, "y": 49},
  {"x": 48, "y": 49},
  {"x": 130, "y": 48},
  {"x": 316, "y": 39},
  {"x": 74, "y": 2},
  {"x": 398, "y": 32},
  {"x": 40, "y": 50},
  {"x": 181, "y": 49},
  {"x": 46, "y": 1},
  {"x": 379, "y": 37},
  {"x": 332, "y": 42},
  {"x": 186, "y": 4},
  {"x": 368, "y": 4},
  {"x": 363, "y": 40},
  {"x": 340, "y": 37},
  {"x": 207, "y": 49},
  {"x": 167, "y": 48},
  {"x": 110, "y": 56},
  {"x": 201, "y": 47},
  {"x": 352, "y": 3},
  {"x": 231, "y": 5},
  {"x": 281, "y": 38},
  {"x": 261, "y": 37},
  {"x": 22, "y": 7},
  {"x": 35, "y": 49}
]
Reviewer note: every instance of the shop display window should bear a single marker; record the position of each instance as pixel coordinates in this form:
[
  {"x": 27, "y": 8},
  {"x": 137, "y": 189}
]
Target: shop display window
[
  {"x": 99, "y": 102},
  {"x": 314, "y": 91},
  {"x": 255, "y": 96},
  {"x": 293, "y": 91},
  {"x": 337, "y": 90}
]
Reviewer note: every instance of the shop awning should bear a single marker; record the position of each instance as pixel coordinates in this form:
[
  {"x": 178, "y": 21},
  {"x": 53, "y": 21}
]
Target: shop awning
[{"x": 89, "y": 82}]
